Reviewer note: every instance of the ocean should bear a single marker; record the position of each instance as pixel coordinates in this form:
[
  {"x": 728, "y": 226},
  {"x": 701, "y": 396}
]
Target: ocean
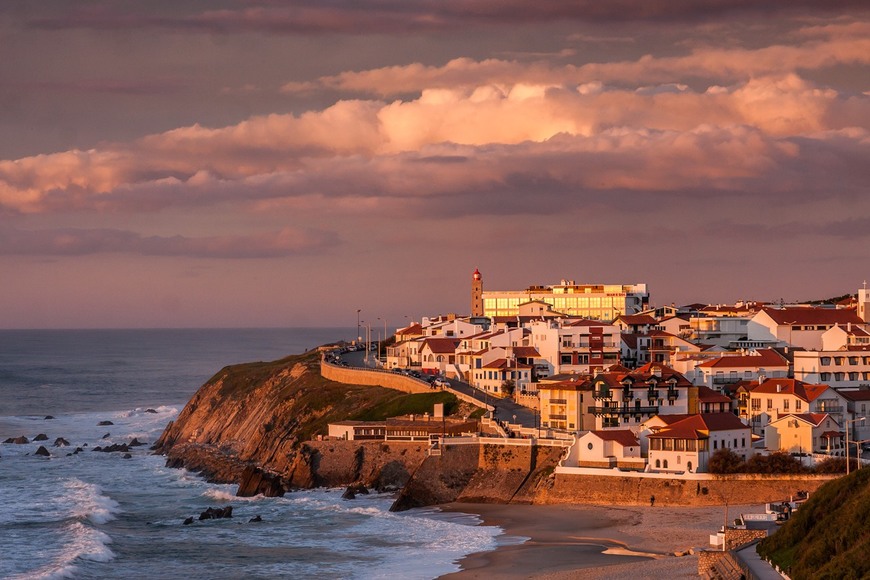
[{"x": 100, "y": 515}]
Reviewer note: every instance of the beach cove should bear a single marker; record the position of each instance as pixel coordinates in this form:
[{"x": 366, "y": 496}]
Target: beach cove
[{"x": 593, "y": 542}]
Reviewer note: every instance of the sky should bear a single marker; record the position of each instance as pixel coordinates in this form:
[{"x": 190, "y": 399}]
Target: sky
[{"x": 251, "y": 163}]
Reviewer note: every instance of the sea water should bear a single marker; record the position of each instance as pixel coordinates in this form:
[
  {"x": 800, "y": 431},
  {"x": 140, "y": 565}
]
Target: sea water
[{"x": 100, "y": 515}]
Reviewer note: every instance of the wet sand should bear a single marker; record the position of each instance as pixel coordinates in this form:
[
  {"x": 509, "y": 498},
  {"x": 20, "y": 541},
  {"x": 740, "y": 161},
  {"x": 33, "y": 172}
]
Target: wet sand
[{"x": 593, "y": 542}]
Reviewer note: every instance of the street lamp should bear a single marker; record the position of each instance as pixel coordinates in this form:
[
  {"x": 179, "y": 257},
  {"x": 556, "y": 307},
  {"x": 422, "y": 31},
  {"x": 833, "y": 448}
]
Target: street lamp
[
  {"x": 358, "y": 337},
  {"x": 848, "y": 453}
]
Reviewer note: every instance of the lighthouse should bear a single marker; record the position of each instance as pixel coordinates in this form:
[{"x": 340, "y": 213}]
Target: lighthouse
[{"x": 476, "y": 294}]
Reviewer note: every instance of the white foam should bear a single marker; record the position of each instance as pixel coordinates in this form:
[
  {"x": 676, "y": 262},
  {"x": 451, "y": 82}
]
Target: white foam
[
  {"x": 89, "y": 503},
  {"x": 81, "y": 542}
]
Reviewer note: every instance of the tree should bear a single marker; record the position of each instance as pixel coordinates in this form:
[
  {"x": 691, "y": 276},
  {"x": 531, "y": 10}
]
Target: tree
[
  {"x": 725, "y": 461},
  {"x": 508, "y": 387}
]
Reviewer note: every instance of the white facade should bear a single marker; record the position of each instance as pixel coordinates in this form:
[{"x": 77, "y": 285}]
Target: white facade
[{"x": 838, "y": 368}]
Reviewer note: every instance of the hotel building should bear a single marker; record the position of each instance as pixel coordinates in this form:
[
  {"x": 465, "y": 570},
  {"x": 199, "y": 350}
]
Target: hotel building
[{"x": 596, "y": 301}]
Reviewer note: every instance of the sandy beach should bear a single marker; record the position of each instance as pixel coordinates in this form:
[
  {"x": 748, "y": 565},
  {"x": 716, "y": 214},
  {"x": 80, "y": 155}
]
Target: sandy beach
[{"x": 593, "y": 542}]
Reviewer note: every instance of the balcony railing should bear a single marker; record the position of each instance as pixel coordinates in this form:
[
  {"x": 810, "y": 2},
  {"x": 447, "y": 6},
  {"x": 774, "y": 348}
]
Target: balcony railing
[
  {"x": 725, "y": 380},
  {"x": 830, "y": 408},
  {"x": 624, "y": 410},
  {"x": 602, "y": 394},
  {"x": 558, "y": 401},
  {"x": 558, "y": 417}
]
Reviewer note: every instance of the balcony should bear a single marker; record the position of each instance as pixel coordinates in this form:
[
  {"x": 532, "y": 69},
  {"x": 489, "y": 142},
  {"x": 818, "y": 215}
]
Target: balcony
[
  {"x": 624, "y": 410},
  {"x": 673, "y": 395},
  {"x": 830, "y": 408},
  {"x": 602, "y": 394},
  {"x": 558, "y": 417},
  {"x": 725, "y": 380},
  {"x": 558, "y": 401}
]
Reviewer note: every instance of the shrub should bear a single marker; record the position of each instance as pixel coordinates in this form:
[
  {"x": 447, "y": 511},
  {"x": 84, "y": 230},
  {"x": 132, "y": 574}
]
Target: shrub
[{"x": 725, "y": 461}]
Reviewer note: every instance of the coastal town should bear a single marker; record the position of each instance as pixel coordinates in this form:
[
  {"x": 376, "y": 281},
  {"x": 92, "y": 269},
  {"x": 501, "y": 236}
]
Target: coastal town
[{"x": 631, "y": 388}]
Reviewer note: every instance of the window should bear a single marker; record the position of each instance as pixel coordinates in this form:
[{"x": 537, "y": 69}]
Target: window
[
  {"x": 689, "y": 466},
  {"x": 785, "y": 405},
  {"x": 797, "y": 405},
  {"x": 853, "y": 376},
  {"x": 825, "y": 360},
  {"x": 824, "y": 376},
  {"x": 743, "y": 441},
  {"x": 665, "y": 464},
  {"x": 590, "y": 446},
  {"x": 769, "y": 404},
  {"x": 838, "y": 376},
  {"x": 715, "y": 444},
  {"x": 658, "y": 464}
]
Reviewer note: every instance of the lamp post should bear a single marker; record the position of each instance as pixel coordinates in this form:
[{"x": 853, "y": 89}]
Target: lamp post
[
  {"x": 358, "y": 337},
  {"x": 385, "y": 343},
  {"x": 848, "y": 453}
]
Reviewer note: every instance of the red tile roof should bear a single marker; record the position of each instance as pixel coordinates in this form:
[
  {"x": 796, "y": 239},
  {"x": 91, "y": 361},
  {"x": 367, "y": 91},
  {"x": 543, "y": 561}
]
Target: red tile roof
[
  {"x": 624, "y": 437},
  {"x": 636, "y": 319},
  {"x": 858, "y": 395},
  {"x": 814, "y": 419},
  {"x": 505, "y": 364},
  {"x": 442, "y": 345},
  {"x": 795, "y": 387},
  {"x": 764, "y": 358},
  {"x": 700, "y": 426},
  {"x": 526, "y": 351},
  {"x": 812, "y": 316},
  {"x": 708, "y": 395}
]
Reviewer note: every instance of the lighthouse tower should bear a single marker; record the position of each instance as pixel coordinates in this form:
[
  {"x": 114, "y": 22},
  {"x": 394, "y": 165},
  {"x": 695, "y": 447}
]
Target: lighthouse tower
[{"x": 476, "y": 294}]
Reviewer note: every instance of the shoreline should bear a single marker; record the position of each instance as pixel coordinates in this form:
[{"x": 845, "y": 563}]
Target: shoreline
[{"x": 592, "y": 542}]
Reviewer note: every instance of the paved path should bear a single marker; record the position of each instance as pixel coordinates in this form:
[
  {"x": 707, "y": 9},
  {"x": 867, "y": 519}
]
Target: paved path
[
  {"x": 760, "y": 569},
  {"x": 505, "y": 409}
]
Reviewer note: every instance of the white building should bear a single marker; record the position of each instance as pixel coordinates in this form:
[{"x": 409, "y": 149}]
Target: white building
[
  {"x": 798, "y": 326},
  {"x": 686, "y": 445}
]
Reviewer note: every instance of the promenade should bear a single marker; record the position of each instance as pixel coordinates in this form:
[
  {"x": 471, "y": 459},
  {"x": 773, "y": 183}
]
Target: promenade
[{"x": 504, "y": 409}]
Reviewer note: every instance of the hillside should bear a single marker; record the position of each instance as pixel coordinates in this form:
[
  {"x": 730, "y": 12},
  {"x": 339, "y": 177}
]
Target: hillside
[
  {"x": 258, "y": 415},
  {"x": 829, "y": 536}
]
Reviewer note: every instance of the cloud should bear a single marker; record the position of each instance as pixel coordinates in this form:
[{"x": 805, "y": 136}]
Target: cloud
[
  {"x": 79, "y": 242},
  {"x": 819, "y": 47},
  {"x": 510, "y": 148},
  {"x": 403, "y": 17}
]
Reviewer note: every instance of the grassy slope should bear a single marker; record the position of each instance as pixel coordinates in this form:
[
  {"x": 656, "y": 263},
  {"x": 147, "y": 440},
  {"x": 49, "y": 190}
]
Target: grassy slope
[
  {"x": 317, "y": 401},
  {"x": 829, "y": 536}
]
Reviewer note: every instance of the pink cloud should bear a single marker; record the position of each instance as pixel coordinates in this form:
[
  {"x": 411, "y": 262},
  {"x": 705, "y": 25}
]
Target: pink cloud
[{"x": 80, "y": 242}]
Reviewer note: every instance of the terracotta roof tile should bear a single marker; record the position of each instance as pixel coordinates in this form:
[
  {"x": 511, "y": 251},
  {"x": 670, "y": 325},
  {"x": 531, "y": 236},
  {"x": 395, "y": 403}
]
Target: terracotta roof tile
[{"x": 624, "y": 437}]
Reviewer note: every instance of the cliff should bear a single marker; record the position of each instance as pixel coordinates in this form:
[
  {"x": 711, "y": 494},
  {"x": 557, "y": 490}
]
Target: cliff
[
  {"x": 253, "y": 423},
  {"x": 828, "y": 537}
]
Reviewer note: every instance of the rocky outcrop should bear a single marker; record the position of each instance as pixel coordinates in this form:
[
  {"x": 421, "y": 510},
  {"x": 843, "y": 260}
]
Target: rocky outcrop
[
  {"x": 256, "y": 424},
  {"x": 479, "y": 474}
]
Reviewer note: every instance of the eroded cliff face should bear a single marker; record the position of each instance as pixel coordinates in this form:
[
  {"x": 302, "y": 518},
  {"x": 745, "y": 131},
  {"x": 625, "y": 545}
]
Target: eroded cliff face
[{"x": 248, "y": 424}]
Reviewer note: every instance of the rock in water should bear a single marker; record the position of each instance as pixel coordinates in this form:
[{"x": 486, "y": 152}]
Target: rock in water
[
  {"x": 150, "y": 411},
  {"x": 18, "y": 440},
  {"x": 41, "y": 437},
  {"x": 104, "y": 423},
  {"x": 43, "y": 452},
  {"x": 256, "y": 518},
  {"x": 135, "y": 443},
  {"x": 256, "y": 481},
  {"x": 61, "y": 442},
  {"x": 188, "y": 521},
  {"x": 217, "y": 513},
  {"x": 48, "y": 418},
  {"x": 107, "y": 435},
  {"x": 354, "y": 489},
  {"x": 128, "y": 456}
]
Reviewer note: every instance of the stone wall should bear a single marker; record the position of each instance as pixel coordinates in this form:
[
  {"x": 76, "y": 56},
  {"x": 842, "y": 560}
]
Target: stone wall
[
  {"x": 627, "y": 490},
  {"x": 374, "y": 378},
  {"x": 378, "y": 464}
]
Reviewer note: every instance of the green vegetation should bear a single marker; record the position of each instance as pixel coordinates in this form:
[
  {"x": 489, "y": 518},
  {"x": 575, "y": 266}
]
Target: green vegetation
[
  {"x": 305, "y": 403},
  {"x": 829, "y": 536},
  {"x": 725, "y": 461},
  {"x": 833, "y": 300},
  {"x": 404, "y": 404}
]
